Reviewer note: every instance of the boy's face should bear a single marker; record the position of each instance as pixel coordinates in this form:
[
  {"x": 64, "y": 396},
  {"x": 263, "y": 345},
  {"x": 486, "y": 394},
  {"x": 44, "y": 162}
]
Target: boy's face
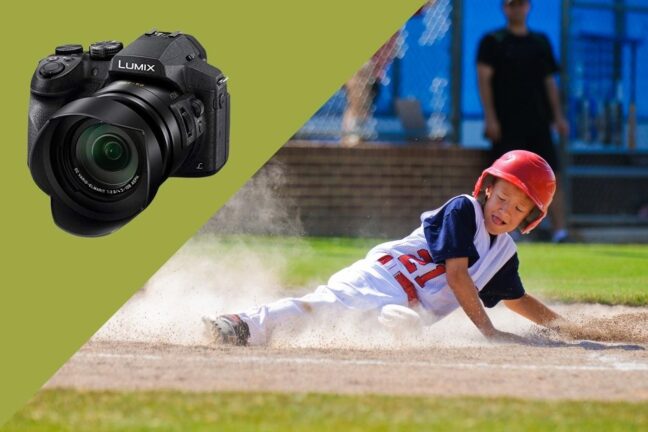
[{"x": 506, "y": 207}]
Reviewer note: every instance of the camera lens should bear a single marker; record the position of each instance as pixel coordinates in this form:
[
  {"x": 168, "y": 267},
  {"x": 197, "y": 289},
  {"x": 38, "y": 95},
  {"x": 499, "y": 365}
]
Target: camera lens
[
  {"x": 110, "y": 153},
  {"x": 106, "y": 155},
  {"x": 102, "y": 158}
]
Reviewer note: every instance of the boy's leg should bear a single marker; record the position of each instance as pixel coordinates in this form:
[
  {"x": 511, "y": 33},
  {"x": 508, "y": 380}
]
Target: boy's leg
[
  {"x": 288, "y": 312},
  {"x": 254, "y": 326},
  {"x": 351, "y": 289}
]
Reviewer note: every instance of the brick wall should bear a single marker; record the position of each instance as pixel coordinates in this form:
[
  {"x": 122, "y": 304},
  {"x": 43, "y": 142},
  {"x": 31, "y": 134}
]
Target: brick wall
[
  {"x": 370, "y": 190},
  {"x": 381, "y": 191}
]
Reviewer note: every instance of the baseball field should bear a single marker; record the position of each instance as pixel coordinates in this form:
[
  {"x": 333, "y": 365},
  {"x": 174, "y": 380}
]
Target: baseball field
[{"x": 151, "y": 367}]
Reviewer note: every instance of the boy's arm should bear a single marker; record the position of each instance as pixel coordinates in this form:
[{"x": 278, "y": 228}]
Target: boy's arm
[
  {"x": 533, "y": 309},
  {"x": 467, "y": 295}
]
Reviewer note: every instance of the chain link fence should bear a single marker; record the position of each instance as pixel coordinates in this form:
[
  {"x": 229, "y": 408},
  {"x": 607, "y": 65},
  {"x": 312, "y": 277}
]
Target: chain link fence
[{"x": 401, "y": 93}]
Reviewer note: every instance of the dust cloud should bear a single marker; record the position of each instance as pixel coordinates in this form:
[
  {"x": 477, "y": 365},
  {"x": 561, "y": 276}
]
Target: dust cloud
[
  {"x": 259, "y": 207},
  {"x": 624, "y": 327},
  {"x": 215, "y": 272},
  {"x": 169, "y": 308}
]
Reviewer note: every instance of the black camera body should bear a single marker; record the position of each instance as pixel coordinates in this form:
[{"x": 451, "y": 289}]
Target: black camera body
[{"x": 108, "y": 126}]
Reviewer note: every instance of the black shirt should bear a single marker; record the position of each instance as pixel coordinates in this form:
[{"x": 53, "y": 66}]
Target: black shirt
[
  {"x": 450, "y": 234},
  {"x": 521, "y": 64}
]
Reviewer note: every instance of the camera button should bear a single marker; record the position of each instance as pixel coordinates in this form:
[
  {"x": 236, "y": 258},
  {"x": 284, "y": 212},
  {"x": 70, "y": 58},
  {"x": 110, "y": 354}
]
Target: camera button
[
  {"x": 69, "y": 49},
  {"x": 51, "y": 68}
]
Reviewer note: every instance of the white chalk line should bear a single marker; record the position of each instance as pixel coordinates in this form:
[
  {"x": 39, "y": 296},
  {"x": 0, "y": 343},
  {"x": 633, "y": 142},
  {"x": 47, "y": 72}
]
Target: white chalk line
[{"x": 618, "y": 366}]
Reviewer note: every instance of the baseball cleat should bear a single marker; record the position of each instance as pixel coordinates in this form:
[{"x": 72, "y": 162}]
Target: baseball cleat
[{"x": 228, "y": 329}]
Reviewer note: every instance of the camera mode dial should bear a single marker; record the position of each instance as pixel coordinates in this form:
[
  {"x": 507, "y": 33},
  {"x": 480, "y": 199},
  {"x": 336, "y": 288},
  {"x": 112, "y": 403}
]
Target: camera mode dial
[{"x": 105, "y": 50}]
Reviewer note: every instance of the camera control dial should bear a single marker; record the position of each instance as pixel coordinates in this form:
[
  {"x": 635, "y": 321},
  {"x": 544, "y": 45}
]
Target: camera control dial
[
  {"x": 105, "y": 50},
  {"x": 70, "y": 49}
]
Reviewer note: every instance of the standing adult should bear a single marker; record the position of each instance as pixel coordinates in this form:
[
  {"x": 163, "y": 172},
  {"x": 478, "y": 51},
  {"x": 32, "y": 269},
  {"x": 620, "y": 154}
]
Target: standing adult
[{"x": 519, "y": 95}]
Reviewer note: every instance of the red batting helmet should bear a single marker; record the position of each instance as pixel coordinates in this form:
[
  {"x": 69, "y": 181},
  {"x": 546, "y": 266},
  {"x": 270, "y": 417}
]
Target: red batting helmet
[{"x": 530, "y": 173}]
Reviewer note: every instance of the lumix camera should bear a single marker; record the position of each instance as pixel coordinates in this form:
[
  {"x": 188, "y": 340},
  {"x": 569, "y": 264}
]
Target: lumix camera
[{"x": 108, "y": 126}]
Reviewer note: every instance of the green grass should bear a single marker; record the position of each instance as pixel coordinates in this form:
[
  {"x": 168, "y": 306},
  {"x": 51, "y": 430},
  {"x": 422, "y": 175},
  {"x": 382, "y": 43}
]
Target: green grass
[
  {"x": 609, "y": 274},
  {"x": 68, "y": 410}
]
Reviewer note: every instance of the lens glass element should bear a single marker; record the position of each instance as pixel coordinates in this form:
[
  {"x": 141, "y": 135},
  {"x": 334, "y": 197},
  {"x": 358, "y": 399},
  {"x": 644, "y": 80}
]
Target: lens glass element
[{"x": 106, "y": 154}]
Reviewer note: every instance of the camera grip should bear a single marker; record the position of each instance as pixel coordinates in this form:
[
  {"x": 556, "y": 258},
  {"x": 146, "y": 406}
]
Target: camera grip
[
  {"x": 215, "y": 149},
  {"x": 41, "y": 110}
]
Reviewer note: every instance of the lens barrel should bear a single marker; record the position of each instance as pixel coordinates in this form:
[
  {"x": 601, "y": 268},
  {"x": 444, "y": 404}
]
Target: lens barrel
[{"x": 102, "y": 158}]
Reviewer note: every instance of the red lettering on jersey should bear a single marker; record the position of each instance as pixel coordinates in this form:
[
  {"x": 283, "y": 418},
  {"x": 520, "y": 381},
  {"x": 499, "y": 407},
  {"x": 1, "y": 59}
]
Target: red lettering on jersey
[
  {"x": 439, "y": 270},
  {"x": 406, "y": 260},
  {"x": 425, "y": 255},
  {"x": 408, "y": 287},
  {"x": 410, "y": 262}
]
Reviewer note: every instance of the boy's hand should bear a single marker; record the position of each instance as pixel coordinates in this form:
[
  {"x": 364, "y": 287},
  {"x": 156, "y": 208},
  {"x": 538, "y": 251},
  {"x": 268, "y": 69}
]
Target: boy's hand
[{"x": 505, "y": 337}]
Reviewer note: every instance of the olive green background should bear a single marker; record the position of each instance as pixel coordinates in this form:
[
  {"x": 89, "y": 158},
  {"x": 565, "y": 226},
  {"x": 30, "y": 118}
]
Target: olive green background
[{"x": 284, "y": 59}]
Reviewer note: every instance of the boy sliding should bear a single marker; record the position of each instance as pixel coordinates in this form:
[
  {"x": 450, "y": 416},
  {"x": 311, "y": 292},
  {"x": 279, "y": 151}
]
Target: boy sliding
[{"x": 460, "y": 256}]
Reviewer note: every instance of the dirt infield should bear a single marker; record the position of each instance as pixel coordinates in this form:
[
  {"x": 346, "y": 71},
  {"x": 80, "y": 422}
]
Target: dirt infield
[{"x": 450, "y": 358}]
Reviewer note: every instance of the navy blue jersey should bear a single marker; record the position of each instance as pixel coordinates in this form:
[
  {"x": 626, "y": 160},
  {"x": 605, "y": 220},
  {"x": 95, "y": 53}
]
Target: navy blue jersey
[{"x": 450, "y": 234}]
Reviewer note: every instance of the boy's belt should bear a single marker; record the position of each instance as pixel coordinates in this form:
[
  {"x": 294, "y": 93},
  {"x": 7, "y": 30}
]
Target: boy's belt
[{"x": 390, "y": 265}]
